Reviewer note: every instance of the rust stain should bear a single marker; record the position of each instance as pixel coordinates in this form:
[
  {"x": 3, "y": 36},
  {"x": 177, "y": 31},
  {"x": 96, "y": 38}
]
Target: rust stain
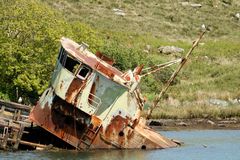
[
  {"x": 103, "y": 69},
  {"x": 92, "y": 91},
  {"x": 105, "y": 58},
  {"x": 75, "y": 87},
  {"x": 61, "y": 85}
]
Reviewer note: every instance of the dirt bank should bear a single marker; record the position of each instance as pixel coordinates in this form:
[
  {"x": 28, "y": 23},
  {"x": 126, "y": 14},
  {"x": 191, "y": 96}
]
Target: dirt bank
[{"x": 181, "y": 124}]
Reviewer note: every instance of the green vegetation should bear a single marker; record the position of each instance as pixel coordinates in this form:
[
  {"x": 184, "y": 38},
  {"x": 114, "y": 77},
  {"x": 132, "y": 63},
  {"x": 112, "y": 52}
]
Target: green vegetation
[
  {"x": 196, "y": 111},
  {"x": 30, "y": 33},
  {"x": 29, "y": 39}
]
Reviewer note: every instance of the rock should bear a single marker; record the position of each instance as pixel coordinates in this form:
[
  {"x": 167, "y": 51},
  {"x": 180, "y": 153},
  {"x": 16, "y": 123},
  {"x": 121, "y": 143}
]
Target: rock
[
  {"x": 200, "y": 120},
  {"x": 234, "y": 119},
  {"x": 221, "y": 125},
  {"x": 173, "y": 102},
  {"x": 155, "y": 123},
  {"x": 203, "y": 27},
  {"x": 170, "y": 49},
  {"x": 227, "y": 2},
  {"x": 218, "y": 102},
  {"x": 210, "y": 122},
  {"x": 146, "y": 51},
  {"x": 206, "y": 57},
  {"x": 185, "y": 4},
  {"x": 235, "y": 101},
  {"x": 178, "y": 142},
  {"x": 228, "y": 122},
  {"x": 182, "y": 124},
  {"x": 237, "y": 15},
  {"x": 219, "y": 118},
  {"x": 148, "y": 47},
  {"x": 119, "y": 12},
  {"x": 204, "y": 145},
  {"x": 196, "y": 5}
]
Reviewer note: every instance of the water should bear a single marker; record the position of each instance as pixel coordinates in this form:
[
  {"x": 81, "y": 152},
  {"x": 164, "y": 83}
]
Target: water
[{"x": 199, "y": 145}]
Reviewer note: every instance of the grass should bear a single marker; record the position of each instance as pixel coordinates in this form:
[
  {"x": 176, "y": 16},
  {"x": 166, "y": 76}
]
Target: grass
[
  {"x": 166, "y": 19},
  {"x": 197, "y": 111},
  {"x": 214, "y": 68}
]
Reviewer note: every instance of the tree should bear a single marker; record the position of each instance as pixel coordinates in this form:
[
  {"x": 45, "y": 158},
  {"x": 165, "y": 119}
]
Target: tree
[{"x": 29, "y": 41}]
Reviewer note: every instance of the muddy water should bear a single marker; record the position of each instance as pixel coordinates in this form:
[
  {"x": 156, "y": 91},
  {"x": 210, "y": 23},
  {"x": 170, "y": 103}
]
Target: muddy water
[{"x": 199, "y": 145}]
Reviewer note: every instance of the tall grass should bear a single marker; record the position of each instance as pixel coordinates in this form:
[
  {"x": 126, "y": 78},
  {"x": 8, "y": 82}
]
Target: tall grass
[{"x": 197, "y": 111}]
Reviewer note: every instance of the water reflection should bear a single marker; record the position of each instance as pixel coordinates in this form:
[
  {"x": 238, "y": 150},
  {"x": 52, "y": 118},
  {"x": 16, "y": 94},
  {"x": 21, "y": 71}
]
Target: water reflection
[
  {"x": 97, "y": 155},
  {"x": 199, "y": 145}
]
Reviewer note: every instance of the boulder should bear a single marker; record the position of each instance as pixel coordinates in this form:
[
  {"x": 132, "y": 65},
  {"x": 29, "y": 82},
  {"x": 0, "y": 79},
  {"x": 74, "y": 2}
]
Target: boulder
[
  {"x": 237, "y": 15},
  {"x": 170, "y": 49},
  {"x": 119, "y": 12},
  {"x": 210, "y": 122},
  {"x": 218, "y": 102},
  {"x": 196, "y": 5},
  {"x": 182, "y": 124}
]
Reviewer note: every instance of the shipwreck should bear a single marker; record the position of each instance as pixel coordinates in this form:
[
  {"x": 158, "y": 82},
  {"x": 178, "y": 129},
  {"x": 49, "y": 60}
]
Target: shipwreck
[
  {"x": 89, "y": 104},
  {"x": 92, "y": 105}
]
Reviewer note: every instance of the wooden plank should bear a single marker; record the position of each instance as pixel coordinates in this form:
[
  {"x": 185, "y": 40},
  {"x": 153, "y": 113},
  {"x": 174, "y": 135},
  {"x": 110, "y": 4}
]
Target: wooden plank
[
  {"x": 4, "y": 138},
  {"x": 15, "y": 105},
  {"x": 31, "y": 144}
]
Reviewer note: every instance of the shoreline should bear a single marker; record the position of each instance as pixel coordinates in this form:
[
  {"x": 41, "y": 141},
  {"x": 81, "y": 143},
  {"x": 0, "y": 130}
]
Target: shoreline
[{"x": 194, "y": 124}]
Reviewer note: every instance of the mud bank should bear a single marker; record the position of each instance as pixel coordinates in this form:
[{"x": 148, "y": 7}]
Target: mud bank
[{"x": 181, "y": 124}]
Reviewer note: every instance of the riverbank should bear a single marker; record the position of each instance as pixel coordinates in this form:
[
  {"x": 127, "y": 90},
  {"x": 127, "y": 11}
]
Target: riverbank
[{"x": 198, "y": 123}]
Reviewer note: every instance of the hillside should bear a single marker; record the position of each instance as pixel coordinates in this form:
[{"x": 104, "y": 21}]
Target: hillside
[
  {"x": 214, "y": 69},
  {"x": 160, "y": 19},
  {"x": 131, "y": 32}
]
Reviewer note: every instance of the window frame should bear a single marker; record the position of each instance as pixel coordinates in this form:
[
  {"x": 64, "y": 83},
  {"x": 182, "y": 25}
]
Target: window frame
[{"x": 79, "y": 70}]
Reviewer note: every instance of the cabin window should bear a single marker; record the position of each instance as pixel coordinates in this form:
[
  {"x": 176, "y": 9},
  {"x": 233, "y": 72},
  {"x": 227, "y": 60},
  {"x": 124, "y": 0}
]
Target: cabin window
[
  {"x": 60, "y": 53},
  {"x": 84, "y": 71},
  {"x": 68, "y": 62},
  {"x": 62, "y": 56},
  {"x": 71, "y": 64}
]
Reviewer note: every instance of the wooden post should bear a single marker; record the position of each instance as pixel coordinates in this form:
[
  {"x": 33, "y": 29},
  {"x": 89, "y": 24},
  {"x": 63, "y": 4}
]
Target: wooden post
[
  {"x": 5, "y": 138},
  {"x": 2, "y": 109},
  {"x": 18, "y": 136},
  {"x": 18, "y": 115}
]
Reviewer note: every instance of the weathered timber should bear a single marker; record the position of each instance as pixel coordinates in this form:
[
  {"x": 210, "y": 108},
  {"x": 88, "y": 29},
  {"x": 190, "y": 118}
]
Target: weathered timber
[
  {"x": 29, "y": 143},
  {"x": 13, "y": 120},
  {"x": 14, "y": 105},
  {"x": 18, "y": 137}
]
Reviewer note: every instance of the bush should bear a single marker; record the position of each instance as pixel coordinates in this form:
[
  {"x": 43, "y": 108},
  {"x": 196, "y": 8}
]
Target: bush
[{"x": 29, "y": 36}]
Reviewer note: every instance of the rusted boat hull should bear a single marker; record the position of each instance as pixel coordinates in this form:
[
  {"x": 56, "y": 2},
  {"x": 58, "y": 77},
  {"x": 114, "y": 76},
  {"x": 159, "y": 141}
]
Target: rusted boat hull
[
  {"x": 118, "y": 134},
  {"x": 90, "y": 104}
]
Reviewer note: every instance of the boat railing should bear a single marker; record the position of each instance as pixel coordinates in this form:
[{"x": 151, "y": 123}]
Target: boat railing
[{"x": 94, "y": 101}]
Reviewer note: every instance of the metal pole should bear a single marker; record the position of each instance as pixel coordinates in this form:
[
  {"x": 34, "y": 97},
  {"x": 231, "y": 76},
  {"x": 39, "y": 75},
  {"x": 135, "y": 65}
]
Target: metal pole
[{"x": 184, "y": 60}]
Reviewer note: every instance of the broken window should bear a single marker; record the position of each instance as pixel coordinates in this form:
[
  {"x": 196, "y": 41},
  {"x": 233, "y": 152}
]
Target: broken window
[
  {"x": 68, "y": 62},
  {"x": 83, "y": 73},
  {"x": 71, "y": 64}
]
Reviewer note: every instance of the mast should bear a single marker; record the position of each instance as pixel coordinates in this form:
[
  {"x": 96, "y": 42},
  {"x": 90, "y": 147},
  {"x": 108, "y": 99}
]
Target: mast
[{"x": 173, "y": 76}]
